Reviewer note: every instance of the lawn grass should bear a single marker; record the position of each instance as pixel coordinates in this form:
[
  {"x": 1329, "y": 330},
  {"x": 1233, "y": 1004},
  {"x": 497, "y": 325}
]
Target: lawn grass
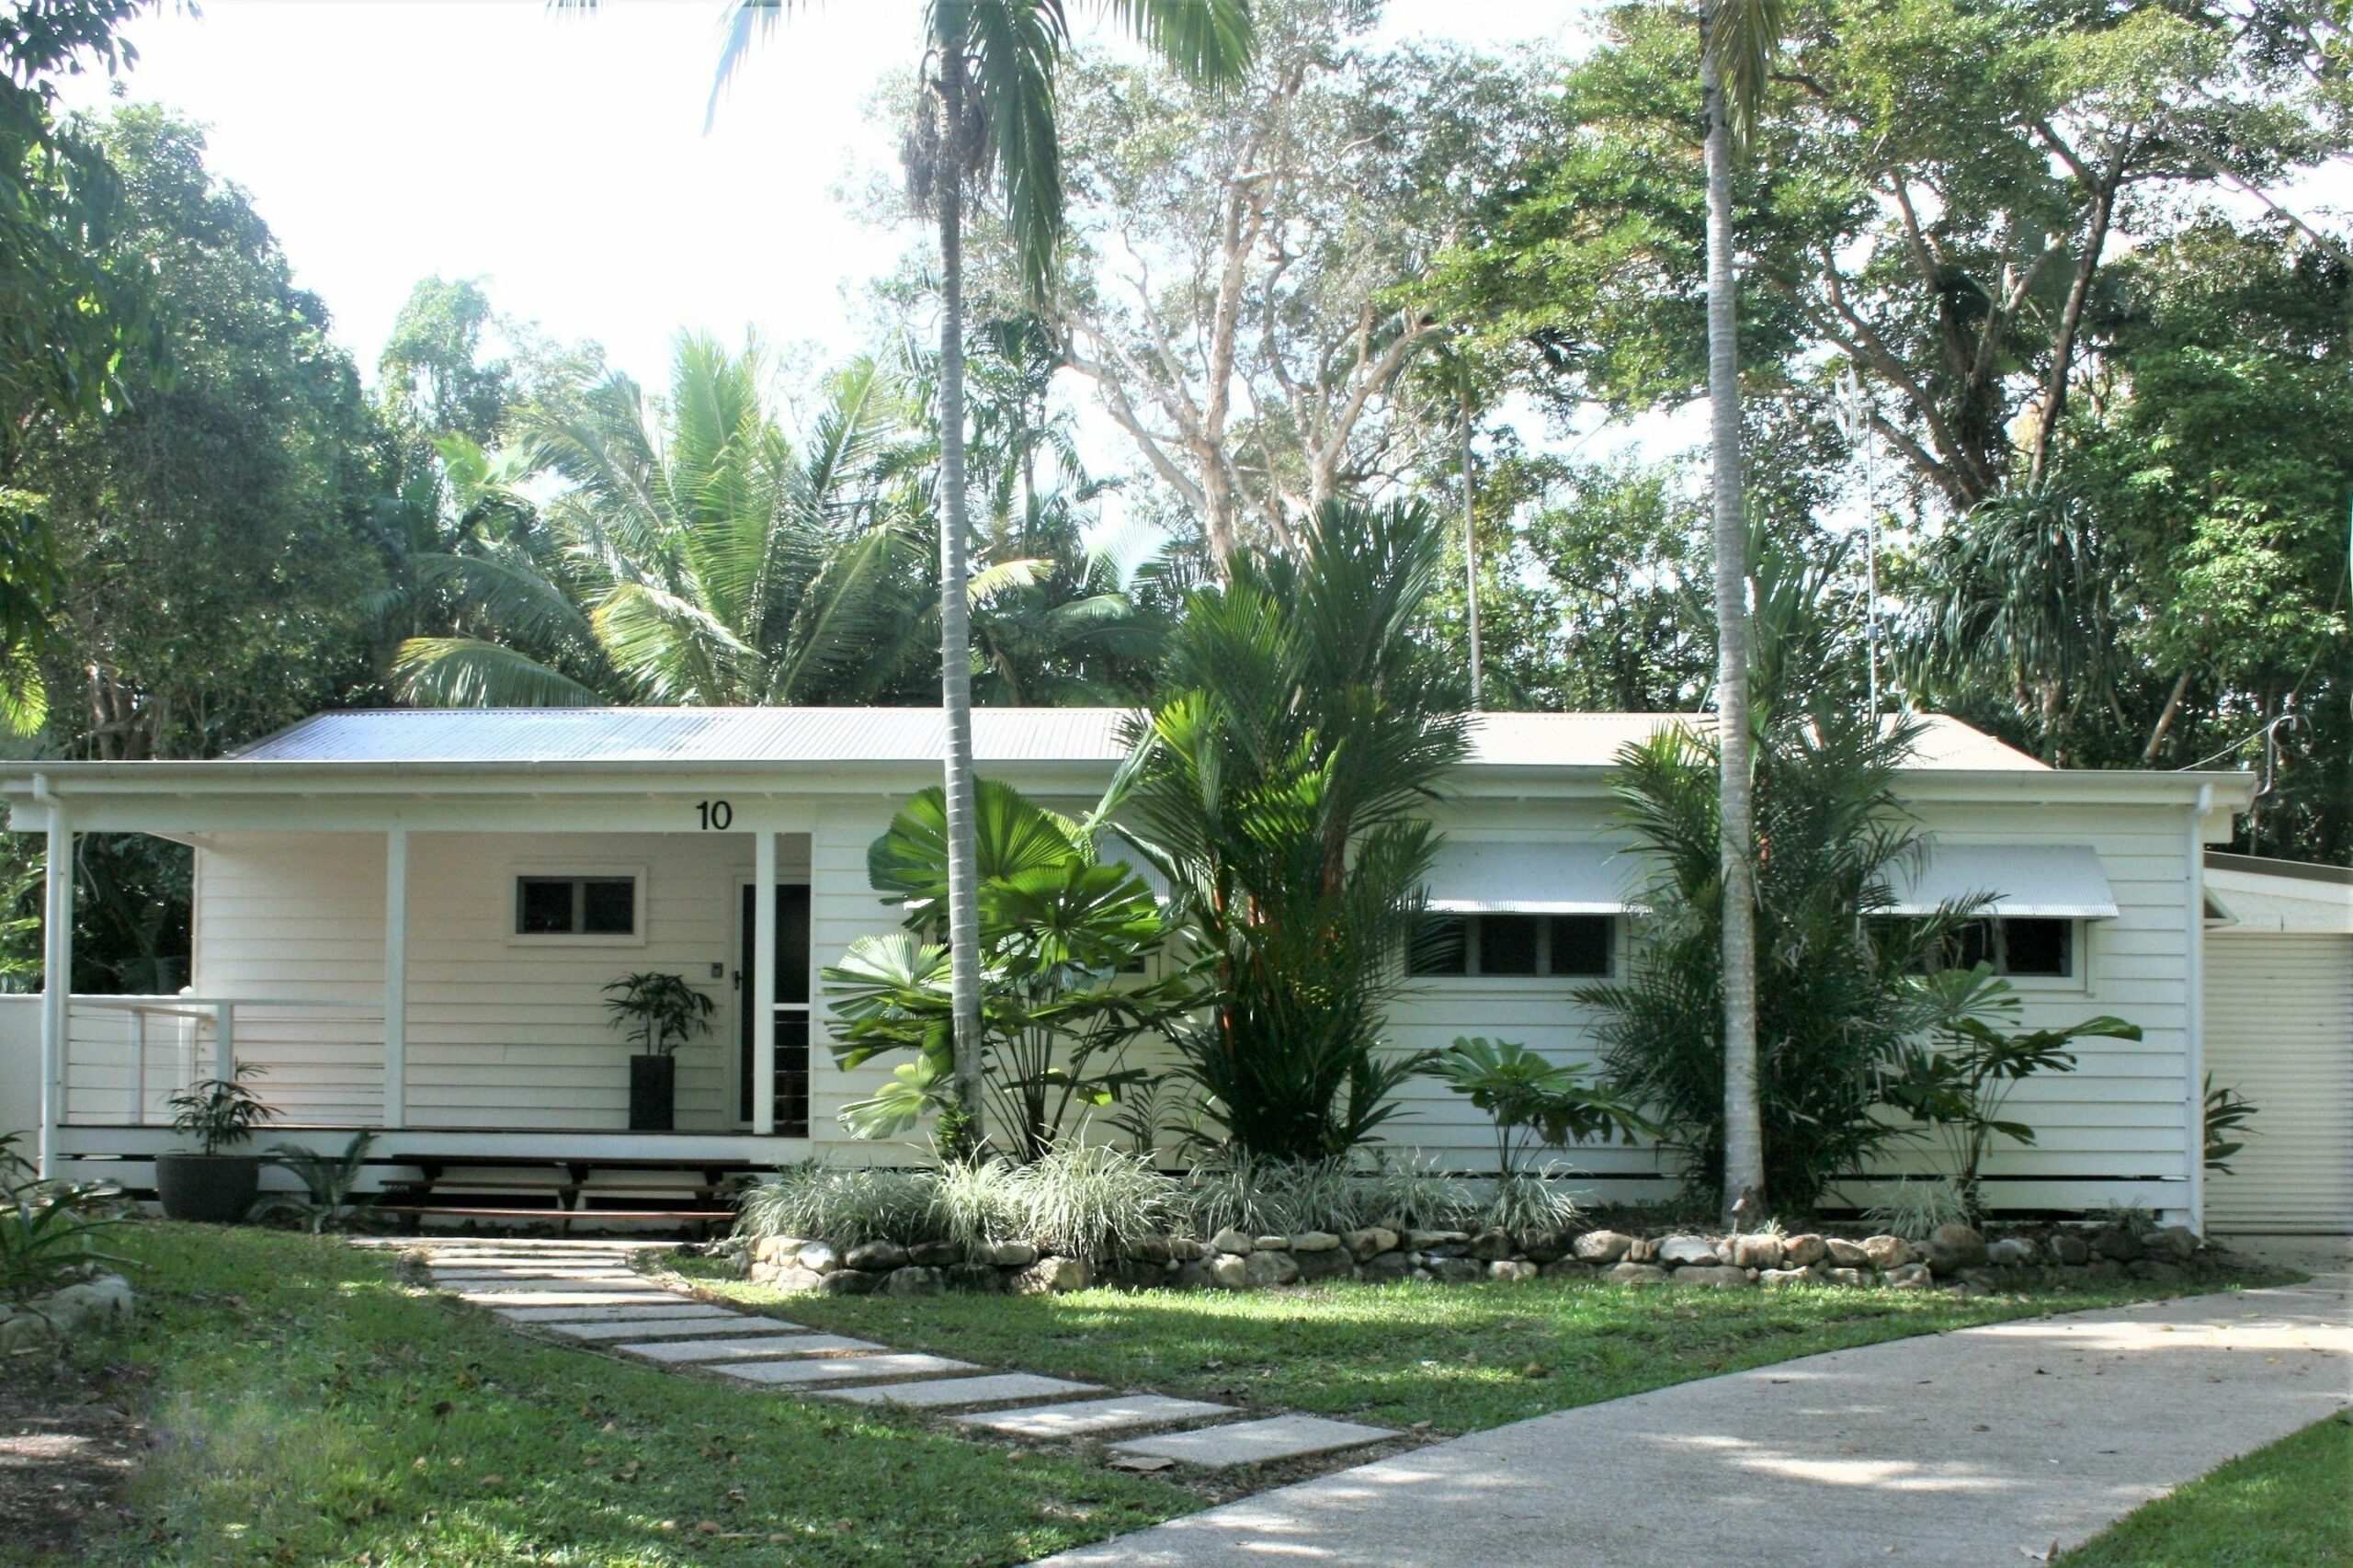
[
  {"x": 1458, "y": 1358},
  {"x": 307, "y": 1408},
  {"x": 2288, "y": 1506}
]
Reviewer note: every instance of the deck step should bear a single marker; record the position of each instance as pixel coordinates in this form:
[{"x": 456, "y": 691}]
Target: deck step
[{"x": 470, "y": 1211}]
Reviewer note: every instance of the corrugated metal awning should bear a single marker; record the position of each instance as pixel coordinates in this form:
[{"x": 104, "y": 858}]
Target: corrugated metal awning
[
  {"x": 1534, "y": 878},
  {"x": 2037, "y": 881}
]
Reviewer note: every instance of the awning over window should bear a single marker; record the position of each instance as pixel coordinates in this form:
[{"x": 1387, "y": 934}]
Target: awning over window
[
  {"x": 2044, "y": 882},
  {"x": 1534, "y": 878}
]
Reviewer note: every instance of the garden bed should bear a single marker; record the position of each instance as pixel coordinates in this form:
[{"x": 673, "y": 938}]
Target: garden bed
[{"x": 1957, "y": 1258}]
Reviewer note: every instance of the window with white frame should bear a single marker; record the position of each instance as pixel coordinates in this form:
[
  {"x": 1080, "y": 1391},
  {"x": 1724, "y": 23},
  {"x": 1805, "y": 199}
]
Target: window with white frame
[
  {"x": 600, "y": 905},
  {"x": 1514, "y": 946}
]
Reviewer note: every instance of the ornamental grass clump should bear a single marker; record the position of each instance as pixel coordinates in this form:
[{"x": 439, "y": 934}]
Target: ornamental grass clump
[
  {"x": 1414, "y": 1194},
  {"x": 1093, "y": 1201},
  {"x": 1529, "y": 1200},
  {"x": 845, "y": 1205},
  {"x": 1262, "y": 1197},
  {"x": 978, "y": 1201}
]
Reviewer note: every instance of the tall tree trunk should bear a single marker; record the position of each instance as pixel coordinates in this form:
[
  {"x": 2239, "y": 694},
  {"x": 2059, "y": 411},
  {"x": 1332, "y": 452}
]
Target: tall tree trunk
[
  {"x": 955, "y": 624},
  {"x": 1743, "y": 1126},
  {"x": 1470, "y": 552}
]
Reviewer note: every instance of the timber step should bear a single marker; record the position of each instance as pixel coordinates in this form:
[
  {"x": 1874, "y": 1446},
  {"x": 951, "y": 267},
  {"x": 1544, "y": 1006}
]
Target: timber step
[{"x": 415, "y": 1211}]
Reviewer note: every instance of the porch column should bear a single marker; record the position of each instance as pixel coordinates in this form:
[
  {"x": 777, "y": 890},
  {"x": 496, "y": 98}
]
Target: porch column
[
  {"x": 2193, "y": 1012},
  {"x": 761, "y": 997},
  {"x": 57, "y": 983},
  {"x": 396, "y": 977}
]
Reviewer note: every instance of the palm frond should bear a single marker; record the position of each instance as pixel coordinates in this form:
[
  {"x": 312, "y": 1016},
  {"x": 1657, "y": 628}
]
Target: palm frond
[
  {"x": 1207, "y": 41},
  {"x": 744, "y": 21},
  {"x": 1744, "y": 36},
  {"x": 1015, "y": 45},
  {"x": 465, "y": 672},
  {"x": 519, "y": 601}
]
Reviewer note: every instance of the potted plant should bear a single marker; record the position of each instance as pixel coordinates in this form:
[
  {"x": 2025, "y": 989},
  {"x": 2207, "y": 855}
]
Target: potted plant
[
  {"x": 660, "y": 1013},
  {"x": 208, "y": 1185}
]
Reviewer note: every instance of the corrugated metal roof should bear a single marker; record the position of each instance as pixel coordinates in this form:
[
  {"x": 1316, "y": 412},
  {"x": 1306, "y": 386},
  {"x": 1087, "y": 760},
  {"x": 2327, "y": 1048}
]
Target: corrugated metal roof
[
  {"x": 719, "y": 735},
  {"x": 443, "y": 736}
]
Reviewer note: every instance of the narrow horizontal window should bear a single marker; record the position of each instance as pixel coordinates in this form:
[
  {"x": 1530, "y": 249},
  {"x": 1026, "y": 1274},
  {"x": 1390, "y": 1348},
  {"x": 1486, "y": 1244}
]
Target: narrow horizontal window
[
  {"x": 1513, "y": 947},
  {"x": 1581, "y": 944},
  {"x": 2016, "y": 945},
  {"x": 575, "y": 906}
]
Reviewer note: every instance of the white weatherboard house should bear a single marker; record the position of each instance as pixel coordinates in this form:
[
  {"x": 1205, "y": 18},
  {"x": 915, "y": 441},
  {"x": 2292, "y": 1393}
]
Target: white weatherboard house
[{"x": 408, "y": 918}]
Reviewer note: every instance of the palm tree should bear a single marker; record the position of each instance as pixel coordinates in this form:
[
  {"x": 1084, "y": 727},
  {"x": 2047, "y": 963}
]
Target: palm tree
[
  {"x": 695, "y": 555},
  {"x": 986, "y": 120},
  {"x": 1280, "y": 784},
  {"x": 1740, "y": 39}
]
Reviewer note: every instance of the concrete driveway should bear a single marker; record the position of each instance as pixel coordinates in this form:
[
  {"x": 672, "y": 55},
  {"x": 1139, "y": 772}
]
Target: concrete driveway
[{"x": 1981, "y": 1448}]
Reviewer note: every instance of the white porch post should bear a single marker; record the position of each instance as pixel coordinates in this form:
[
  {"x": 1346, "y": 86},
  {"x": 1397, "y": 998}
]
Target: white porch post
[
  {"x": 761, "y": 997},
  {"x": 2193, "y": 1010},
  {"x": 395, "y": 1113},
  {"x": 57, "y": 983}
]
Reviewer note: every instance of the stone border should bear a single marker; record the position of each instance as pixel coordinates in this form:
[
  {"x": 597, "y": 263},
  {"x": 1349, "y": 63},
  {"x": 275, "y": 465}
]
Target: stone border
[
  {"x": 1956, "y": 1257},
  {"x": 93, "y": 1302}
]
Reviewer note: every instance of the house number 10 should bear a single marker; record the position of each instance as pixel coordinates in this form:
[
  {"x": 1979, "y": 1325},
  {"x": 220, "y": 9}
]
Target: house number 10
[{"x": 718, "y": 816}]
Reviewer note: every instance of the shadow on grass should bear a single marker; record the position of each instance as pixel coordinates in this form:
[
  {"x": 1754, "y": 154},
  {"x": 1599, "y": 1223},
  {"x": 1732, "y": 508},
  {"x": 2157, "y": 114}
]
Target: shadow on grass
[{"x": 1458, "y": 1358}]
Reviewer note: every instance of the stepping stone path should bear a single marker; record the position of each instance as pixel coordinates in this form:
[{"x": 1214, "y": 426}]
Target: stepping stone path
[{"x": 587, "y": 1291}]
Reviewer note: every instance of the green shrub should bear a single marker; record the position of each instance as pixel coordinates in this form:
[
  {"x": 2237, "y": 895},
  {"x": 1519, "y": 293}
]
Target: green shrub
[
  {"x": 49, "y": 1233},
  {"x": 1532, "y": 1100},
  {"x": 1957, "y": 1084},
  {"x": 327, "y": 1180},
  {"x": 1062, "y": 937}
]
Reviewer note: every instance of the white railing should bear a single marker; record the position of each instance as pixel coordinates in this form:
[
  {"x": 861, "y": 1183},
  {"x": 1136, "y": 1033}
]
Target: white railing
[{"x": 322, "y": 1062}]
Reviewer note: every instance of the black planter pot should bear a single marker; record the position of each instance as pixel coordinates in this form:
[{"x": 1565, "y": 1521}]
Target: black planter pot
[
  {"x": 215, "y": 1189},
  {"x": 653, "y": 1093}
]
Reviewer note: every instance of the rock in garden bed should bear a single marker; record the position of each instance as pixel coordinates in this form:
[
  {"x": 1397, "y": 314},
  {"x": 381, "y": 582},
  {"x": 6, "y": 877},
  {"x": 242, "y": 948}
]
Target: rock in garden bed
[{"x": 1956, "y": 1257}]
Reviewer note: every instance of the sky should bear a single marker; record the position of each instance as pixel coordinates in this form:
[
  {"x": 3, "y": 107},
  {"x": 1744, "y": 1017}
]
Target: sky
[{"x": 562, "y": 157}]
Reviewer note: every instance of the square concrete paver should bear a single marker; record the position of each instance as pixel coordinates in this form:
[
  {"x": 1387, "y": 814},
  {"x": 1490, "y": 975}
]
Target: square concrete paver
[
  {"x": 942, "y": 1393},
  {"x": 528, "y": 1285},
  {"x": 671, "y": 1328},
  {"x": 1256, "y": 1442},
  {"x": 765, "y": 1347},
  {"x": 1083, "y": 1418},
  {"x": 845, "y": 1369},
  {"x": 534, "y": 1271},
  {"x": 525, "y": 1265},
  {"x": 459, "y": 1257},
  {"x": 630, "y": 1310},
  {"x": 568, "y": 1297}
]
